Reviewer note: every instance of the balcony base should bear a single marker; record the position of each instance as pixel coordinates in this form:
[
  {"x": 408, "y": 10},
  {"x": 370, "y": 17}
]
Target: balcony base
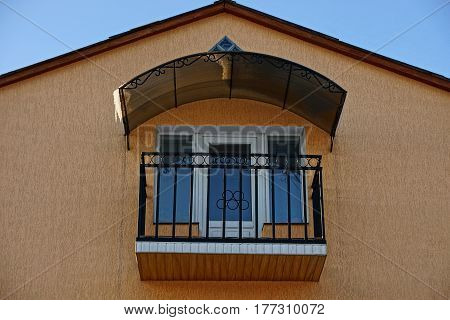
[{"x": 213, "y": 261}]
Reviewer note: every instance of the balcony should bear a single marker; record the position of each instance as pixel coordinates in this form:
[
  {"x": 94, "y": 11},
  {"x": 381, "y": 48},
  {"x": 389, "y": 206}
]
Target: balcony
[{"x": 223, "y": 216}]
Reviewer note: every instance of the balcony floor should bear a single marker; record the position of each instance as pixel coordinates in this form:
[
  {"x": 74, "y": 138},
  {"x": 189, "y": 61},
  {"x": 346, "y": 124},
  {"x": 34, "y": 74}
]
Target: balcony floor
[{"x": 212, "y": 261}]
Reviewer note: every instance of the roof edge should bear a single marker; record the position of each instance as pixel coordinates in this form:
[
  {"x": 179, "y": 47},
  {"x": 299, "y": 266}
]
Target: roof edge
[
  {"x": 241, "y": 11},
  {"x": 334, "y": 44},
  {"x": 112, "y": 42}
]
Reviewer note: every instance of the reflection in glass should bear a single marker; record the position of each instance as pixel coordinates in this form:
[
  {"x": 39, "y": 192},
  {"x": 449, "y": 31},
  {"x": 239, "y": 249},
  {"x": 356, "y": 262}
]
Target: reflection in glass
[
  {"x": 175, "y": 144},
  {"x": 284, "y": 150},
  {"x": 230, "y": 196}
]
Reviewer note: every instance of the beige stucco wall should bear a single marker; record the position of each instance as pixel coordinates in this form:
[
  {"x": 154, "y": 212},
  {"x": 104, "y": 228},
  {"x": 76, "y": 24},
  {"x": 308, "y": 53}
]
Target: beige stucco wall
[{"x": 69, "y": 187}]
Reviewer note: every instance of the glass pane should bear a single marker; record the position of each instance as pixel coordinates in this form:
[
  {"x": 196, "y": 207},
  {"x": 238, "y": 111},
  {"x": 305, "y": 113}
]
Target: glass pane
[
  {"x": 286, "y": 149},
  {"x": 179, "y": 143},
  {"x": 230, "y": 197},
  {"x": 175, "y": 144}
]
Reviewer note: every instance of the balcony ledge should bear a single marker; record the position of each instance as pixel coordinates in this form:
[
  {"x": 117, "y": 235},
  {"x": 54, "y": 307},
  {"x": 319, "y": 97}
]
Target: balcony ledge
[
  {"x": 231, "y": 248},
  {"x": 163, "y": 260}
]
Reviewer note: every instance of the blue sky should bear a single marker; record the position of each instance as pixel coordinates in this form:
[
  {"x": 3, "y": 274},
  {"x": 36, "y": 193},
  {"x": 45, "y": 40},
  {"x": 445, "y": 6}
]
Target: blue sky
[{"x": 413, "y": 31}]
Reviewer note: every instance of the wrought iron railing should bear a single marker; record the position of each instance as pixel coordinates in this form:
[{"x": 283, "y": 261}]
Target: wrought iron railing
[{"x": 230, "y": 198}]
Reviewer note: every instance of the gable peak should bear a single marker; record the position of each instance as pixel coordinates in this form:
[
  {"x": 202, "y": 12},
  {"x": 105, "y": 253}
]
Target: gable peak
[{"x": 225, "y": 44}]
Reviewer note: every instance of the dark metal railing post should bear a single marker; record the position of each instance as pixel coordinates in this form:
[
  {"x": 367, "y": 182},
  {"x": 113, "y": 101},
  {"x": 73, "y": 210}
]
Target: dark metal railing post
[
  {"x": 142, "y": 199},
  {"x": 273, "y": 201},
  {"x": 157, "y": 189},
  {"x": 240, "y": 202},
  {"x": 288, "y": 180},
  {"x": 321, "y": 203},
  {"x": 208, "y": 178},
  {"x": 317, "y": 210},
  {"x": 256, "y": 205},
  {"x": 305, "y": 203},
  {"x": 191, "y": 197},
  {"x": 174, "y": 209},
  {"x": 224, "y": 209}
]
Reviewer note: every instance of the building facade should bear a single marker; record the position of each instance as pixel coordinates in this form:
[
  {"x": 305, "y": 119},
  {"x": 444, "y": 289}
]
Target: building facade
[{"x": 209, "y": 97}]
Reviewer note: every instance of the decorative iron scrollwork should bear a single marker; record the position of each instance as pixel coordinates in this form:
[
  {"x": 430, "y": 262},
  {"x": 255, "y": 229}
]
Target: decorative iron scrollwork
[
  {"x": 247, "y": 161},
  {"x": 228, "y": 160},
  {"x": 247, "y": 57},
  {"x": 232, "y": 200}
]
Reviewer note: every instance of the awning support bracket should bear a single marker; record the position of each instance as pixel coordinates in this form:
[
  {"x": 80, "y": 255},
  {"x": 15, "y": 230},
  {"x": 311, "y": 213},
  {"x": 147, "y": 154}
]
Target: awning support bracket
[
  {"x": 125, "y": 118},
  {"x": 175, "y": 85},
  {"x": 231, "y": 75},
  {"x": 287, "y": 86}
]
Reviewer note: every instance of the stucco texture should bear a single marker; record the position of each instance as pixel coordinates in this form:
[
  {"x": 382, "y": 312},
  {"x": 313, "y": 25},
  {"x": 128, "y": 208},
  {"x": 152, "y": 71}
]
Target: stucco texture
[{"x": 69, "y": 187}]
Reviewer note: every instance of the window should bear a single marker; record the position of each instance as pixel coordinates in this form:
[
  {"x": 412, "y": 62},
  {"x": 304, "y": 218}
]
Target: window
[
  {"x": 174, "y": 144},
  {"x": 226, "y": 197},
  {"x": 286, "y": 148},
  {"x": 231, "y": 199}
]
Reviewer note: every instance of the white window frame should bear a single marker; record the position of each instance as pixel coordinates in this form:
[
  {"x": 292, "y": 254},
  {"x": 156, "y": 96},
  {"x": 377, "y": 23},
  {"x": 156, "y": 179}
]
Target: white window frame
[{"x": 261, "y": 133}]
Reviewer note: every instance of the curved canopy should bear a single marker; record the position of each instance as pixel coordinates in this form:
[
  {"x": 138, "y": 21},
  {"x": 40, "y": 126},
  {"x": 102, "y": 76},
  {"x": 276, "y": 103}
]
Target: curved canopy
[{"x": 243, "y": 75}]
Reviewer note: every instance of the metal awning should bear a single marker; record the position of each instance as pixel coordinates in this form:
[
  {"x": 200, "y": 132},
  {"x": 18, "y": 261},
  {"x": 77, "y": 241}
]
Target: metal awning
[{"x": 224, "y": 74}]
